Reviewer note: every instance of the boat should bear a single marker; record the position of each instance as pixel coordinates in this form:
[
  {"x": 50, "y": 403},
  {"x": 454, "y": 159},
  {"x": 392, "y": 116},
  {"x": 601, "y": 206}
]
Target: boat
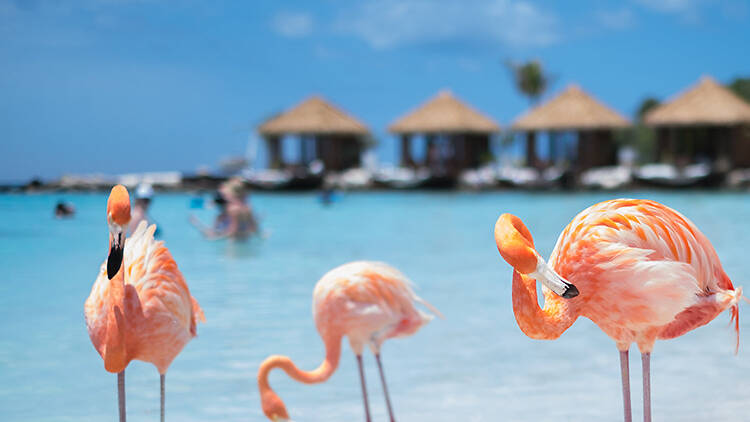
[
  {"x": 670, "y": 176},
  {"x": 607, "y": 178}
]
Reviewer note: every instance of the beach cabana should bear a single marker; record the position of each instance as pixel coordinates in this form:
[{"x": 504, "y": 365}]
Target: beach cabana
[
  {"x": 707, "y": 121},
  {"x": 325, "y": 133},
  {"x": 573, "y": 110},
  {"x": 457, "y": 135}
]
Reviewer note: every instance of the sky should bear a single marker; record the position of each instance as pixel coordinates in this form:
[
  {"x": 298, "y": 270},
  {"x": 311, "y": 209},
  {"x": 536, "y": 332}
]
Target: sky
[{"x": 115, "y": 86}]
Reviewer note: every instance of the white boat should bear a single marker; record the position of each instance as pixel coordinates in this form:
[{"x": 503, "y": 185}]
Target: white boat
[
  {"x": 481, "y": 178},
  {"x": 668, "y": 175},
  {"x": 401, "y": 177},
  {"x": 355, "y": 178},
  {"x": 608, "y": 178}
]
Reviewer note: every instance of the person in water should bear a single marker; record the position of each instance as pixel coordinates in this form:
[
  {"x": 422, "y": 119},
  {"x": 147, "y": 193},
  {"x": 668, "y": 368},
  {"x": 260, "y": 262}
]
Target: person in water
[
  {"x": 235, "y": 219},
  {"x": 64, "y": 210},
  {"x": 143, "y": 195}
]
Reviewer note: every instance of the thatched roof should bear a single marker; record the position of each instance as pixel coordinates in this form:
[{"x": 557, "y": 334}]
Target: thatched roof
[
  {"x": 313, "y": 116},
  {"x": 572, "y": 109},
  {"x": 706, "y": 103},
  {"x": 444, "y": 113}
]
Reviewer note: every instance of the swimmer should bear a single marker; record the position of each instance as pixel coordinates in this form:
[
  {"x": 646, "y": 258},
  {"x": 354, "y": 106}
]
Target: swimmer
[
  {"x": 64, "y": 210},
  {"x": 235, "y": 219},
  {"x": 143, "y": 195}
]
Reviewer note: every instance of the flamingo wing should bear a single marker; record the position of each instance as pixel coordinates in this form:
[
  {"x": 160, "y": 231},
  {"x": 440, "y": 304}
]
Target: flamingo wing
[
  {"x": 154, "y": 274},
  {"x": 649, "y": 263}
]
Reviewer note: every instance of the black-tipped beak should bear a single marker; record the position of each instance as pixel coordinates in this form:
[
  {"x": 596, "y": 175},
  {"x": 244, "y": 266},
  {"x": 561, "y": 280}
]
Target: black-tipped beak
[
  {"x": 114, "y": 260},
  {"x": 570, "y": 292}
]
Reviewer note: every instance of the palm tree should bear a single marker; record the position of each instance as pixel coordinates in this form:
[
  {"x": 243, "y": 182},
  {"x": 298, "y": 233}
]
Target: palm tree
[{"x": 531, "y": 81}]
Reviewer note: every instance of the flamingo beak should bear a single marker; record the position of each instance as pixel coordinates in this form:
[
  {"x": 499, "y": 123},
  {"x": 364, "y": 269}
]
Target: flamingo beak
[
  {"x": 114, "y": 260},
  {"x": 553, "y": 281}
]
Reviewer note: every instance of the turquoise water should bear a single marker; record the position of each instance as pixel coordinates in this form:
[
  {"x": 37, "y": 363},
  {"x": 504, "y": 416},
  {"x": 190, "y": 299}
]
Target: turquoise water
[{"x": 475, "y": 365}]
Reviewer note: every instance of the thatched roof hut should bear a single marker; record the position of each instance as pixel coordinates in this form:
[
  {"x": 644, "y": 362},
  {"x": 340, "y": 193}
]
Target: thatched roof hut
[
  {"x": 458, "y": 135},
  {"x": 574, "y": 110},
  {"x": 445, "y": 114},
  {"x": 706, "y": 103},
  {"x": 313, "y": 116},
  {"x": 325, "y": 132},
  {"x": 707, "y": 121}
]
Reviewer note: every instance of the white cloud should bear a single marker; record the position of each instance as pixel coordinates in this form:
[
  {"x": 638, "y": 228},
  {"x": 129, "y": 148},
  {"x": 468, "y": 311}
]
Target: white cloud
[
  {"x": 293, "y": 24},
  {"x": 670, "y": 6},
  {"x": 391, "y": 23},
  {"x": 687, "y": 10},
  {"x": 616, "y": 19}
]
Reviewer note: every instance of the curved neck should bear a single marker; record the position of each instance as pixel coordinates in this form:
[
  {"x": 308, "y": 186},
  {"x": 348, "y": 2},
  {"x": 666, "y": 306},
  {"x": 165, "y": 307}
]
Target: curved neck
[
  {"x": 317, "y": 375},
  {"x": 540, "y": 323}
]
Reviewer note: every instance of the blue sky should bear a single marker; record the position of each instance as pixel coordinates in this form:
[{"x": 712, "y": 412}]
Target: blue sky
[{"x": 145, "y": 85}]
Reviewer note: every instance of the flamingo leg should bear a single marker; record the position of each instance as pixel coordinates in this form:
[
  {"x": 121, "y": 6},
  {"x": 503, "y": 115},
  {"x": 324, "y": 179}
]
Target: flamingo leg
[
  {"x": 121, "y": 394},
  {"x": 162, "y": 379},
  {"x": 364, "y": 387},
  {"x": 385, "y": 388},
  {"x": 625, "y": 372},
  {"x": 646, "y": 362}
]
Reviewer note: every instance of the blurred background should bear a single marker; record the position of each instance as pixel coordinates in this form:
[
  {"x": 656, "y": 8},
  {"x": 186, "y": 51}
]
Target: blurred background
[{"x": 424, "y": 119}]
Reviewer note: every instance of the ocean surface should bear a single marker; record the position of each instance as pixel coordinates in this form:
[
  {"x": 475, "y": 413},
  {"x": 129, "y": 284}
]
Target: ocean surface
[{"x": 475, "y": 365}]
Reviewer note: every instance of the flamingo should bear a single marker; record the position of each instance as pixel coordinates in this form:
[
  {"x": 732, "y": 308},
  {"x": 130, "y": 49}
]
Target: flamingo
[
  {"x": 645, "y": 272},
  {"x": 369, "y": 302},
  {"x": 140, "y": 306}
]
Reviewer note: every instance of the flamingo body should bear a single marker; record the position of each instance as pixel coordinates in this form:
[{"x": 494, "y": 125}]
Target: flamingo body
[
  {"x": 368, "y": 302},
  {"x": 146, "y": 312},
  {"x": 644, "y": 271}
]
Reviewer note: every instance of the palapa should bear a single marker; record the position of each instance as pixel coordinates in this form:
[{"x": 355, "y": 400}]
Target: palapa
[
  {"x": 444, "y": 114},
  {"x": 705, "y": 103},
  {"x": 313, "y": 116},
  {"x": 572, "y": 109}
]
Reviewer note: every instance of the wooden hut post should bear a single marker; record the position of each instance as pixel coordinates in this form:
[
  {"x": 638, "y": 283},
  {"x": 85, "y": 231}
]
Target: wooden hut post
[
  {"x": 740, "y": 141},
  {"x": 531, "y": 158},
  {"x": 323, "y": 150},
  {"x": 274, "y": 151},
  {"x": 431, "y": 159},
  {"x": 662, "y": 144},
  {"x": 406, "y": 159}
]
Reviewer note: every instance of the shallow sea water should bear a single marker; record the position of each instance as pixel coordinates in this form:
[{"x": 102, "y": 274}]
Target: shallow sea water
[{"x": 475, "y": 365}]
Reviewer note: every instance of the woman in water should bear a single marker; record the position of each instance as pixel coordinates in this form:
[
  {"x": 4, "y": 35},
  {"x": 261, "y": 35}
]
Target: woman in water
[{"x": 235, "y": 219}]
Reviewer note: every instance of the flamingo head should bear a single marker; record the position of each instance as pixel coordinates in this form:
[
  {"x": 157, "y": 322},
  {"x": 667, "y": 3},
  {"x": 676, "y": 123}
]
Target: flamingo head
[
  {"x": 515, "y": 244},
  {"x": 273, "y": 407},
  {"x": 118, "y": 217}
]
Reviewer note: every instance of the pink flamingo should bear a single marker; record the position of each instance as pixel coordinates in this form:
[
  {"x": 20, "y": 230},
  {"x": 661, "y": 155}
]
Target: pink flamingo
[
  {"x": 369, "y": 302},
  {"x": 644, "y": 271},
  {"x": 140, "y": 306}
]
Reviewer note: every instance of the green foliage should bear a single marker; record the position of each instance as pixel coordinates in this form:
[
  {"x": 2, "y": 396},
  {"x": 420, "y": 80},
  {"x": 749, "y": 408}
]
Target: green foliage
[
  {"x": 647, "y": 104},
  {"x": 741, "y": 87},
  {"x": 530, "y": 78},
  {"x": 641, "y": 138}
]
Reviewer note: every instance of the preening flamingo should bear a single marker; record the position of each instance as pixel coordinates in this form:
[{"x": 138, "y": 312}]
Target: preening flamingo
[
  {"x": 140, "y": 306},
  {"x": 369, "y": 302},
  {"x": 644, "y": 271}
]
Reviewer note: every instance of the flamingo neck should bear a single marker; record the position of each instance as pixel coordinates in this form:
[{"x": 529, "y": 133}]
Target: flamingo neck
[
  {"x": 116, "y": 354},
  {"x": 317, "y": 375},
  {"x": 546, "y": 323}
]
